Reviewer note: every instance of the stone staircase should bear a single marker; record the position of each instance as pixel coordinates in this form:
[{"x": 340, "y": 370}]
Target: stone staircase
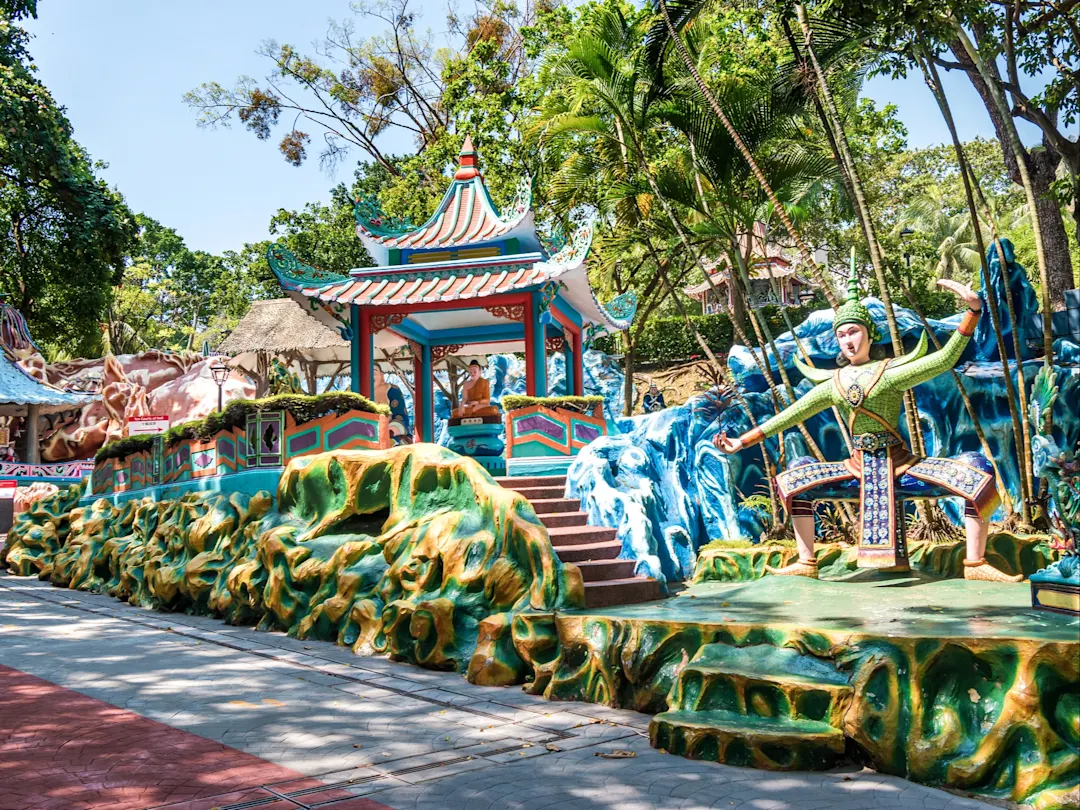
[
  {"x": 593, "y": 549},
  {"x": 760, "y": 706}
]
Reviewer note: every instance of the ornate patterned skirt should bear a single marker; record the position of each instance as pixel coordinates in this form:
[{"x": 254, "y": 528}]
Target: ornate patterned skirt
[{"x": 881, "y": 479}]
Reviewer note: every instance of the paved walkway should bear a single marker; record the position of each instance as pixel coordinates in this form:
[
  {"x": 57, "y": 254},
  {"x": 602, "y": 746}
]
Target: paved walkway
[{"x": 271, "y": 722}]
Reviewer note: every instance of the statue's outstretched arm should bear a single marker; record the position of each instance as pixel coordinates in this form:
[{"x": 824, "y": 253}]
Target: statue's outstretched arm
[
  {"x": 935, "y": 363},
  {"x": 811, "y": 403}
]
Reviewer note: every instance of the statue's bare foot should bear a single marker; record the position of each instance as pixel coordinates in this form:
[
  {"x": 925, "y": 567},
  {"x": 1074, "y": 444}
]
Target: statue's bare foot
[
  {"x": 799, "y": 568},
  {"x": 982, "y": 571}
]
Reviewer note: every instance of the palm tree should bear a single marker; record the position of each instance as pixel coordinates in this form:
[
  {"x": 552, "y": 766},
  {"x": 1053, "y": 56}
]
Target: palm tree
[{"x": 950, "y": 233}]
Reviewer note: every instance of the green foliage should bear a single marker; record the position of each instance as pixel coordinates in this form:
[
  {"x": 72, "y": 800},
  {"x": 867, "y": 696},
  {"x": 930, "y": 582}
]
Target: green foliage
[
  {"x": 743, "y": 543},
  {"x": 666, "y": 340},
  {"x": 512, "y": 402},
  {"x": 65, "y": 231},
  {"x": 302, "y": 407}
]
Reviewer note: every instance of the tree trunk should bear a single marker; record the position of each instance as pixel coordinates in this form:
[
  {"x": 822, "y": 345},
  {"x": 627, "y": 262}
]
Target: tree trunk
[
  {"x": 989, "y": 89},
  {"x": 628, "y": 369},
  {"x": 1055, "y": 239},
  {"x": 1013, "y": 396}
]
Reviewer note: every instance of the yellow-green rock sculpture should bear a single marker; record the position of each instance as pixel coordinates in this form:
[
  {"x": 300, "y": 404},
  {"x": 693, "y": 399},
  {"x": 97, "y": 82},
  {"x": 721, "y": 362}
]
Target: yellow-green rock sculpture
[
  {"x": 408, "y": 551},
  {"x": 943, "y": 682}
]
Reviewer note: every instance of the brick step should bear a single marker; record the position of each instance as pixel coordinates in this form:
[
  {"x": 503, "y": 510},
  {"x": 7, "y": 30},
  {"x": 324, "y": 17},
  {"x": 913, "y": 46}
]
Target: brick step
[
  {"x": 547, "y": 506},
  {"x": 601, "y": 570},
  {"x": 630, "y": 590},
  {"x": 769, "y": 743},
  {"x": 589, "y": 551},
  {"x": 577, "y": 535},
  {"x": 556, "y": 520},
  {"x": 517, "y": 482},
  {"x": 540, "y": 493}
]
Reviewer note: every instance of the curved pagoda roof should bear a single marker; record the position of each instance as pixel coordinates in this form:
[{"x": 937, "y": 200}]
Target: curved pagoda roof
[
  {"x": 467, "y": 250},
  {"x": 466, "y": 218}
]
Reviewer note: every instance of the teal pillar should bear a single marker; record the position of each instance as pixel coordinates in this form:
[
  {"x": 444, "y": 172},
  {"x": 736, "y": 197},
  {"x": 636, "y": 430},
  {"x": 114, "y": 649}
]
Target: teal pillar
[
  {"x": 539, "y": 349},
  {"x": 354, "y": 353},
  {"x": 570, "y": 364},
  {"x": 427, "y": 393}
]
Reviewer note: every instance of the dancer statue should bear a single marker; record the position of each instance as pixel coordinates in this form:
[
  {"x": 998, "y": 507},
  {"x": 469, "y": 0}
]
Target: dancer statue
[{"x": 881, "y": 471}]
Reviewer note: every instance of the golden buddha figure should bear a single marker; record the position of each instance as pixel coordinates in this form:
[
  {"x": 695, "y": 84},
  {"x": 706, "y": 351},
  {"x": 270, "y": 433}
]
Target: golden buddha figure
[{"x": 475, "y": 395}]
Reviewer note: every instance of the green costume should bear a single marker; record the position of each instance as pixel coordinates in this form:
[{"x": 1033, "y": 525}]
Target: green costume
[{"x": 870, "y": 398}]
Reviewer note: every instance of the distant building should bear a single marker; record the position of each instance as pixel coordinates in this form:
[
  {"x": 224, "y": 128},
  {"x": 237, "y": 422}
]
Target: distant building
[{"x": 774, "y": 275}]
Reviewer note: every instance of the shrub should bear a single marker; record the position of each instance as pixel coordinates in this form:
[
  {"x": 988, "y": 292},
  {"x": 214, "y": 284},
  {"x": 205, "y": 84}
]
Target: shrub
[
  {"x": 664, "y": 340},
  {"x": 511, "y": 402},
  {"x": 303, "y": 409}
]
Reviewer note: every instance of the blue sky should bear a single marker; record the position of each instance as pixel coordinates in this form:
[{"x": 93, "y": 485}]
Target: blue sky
[{"x": 121, "y": 68}]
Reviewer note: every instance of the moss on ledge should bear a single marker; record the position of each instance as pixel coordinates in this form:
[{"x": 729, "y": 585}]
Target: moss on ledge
[{"x": 303, "y": 409}]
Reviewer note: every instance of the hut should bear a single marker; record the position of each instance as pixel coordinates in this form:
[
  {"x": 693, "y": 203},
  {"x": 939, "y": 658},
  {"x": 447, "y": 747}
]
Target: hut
[
  {"x": 22, "y": 395},
  {"x": 280, "y": 328}
]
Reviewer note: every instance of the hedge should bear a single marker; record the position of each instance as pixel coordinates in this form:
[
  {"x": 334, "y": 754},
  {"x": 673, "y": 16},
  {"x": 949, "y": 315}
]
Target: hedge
[
  {"x": 303, "y": 409},
  {"x": 512, "y": 402},
  {"x": 664, "y": 340}
]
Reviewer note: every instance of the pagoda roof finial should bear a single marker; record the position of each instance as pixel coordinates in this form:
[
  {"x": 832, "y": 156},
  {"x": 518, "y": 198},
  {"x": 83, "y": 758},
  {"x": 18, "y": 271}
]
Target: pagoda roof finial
[{"x": 468, "y": 161}]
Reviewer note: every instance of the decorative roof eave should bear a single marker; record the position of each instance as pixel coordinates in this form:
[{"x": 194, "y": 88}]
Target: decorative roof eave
[
  {"x": 598, "y": 318},
  {"x": 293, "y": 273}
]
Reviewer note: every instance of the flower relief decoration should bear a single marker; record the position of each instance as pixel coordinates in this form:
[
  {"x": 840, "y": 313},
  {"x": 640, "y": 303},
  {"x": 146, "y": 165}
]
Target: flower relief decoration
[
  {"x": 370, "y": 216},
  {"x": 552, "y": 238},
  {"x": 522, "y": 201},
  {"x": 294, "y": 272},
  {"x": 622, "y": 307},
  {"x": 582, "y": 221}
]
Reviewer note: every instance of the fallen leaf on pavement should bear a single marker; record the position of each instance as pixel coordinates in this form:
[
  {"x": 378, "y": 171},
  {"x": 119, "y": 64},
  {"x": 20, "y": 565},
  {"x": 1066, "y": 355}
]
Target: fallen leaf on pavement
[{"x": 616, "y": 754}]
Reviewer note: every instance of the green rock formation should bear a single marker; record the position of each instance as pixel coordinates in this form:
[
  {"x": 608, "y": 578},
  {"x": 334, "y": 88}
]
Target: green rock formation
[
  {"x": 1012, "y": 553},
  {"x": 942, "y": 681},
  {"x": 413, "y": 551}
]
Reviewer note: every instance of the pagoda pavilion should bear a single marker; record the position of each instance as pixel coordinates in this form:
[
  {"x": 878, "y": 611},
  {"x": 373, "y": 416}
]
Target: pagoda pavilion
[{"x": 471, "y": 281}]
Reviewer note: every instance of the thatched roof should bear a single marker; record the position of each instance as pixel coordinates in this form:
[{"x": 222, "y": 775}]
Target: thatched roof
[{"x": 280, "y": 325}]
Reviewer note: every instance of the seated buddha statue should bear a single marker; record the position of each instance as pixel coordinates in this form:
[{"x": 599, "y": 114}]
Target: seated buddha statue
[{"x": 475, "y": 395}]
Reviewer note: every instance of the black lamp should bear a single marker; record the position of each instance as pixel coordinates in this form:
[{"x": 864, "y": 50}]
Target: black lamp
[
  {"x": 905, "y": 235},
  {"x": 220, "y": 372}
]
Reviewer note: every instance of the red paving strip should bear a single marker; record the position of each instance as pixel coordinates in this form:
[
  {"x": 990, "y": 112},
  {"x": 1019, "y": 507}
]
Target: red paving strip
[{"x": 62, "y": 750}]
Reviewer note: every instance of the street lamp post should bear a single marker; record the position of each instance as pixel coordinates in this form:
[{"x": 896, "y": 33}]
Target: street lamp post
[
  {"x": 220, "y": 371},
  {"x": 906, "y": 235}
]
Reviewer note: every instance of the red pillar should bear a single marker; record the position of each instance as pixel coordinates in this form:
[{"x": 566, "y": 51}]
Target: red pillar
[
  {"x": 418, "y": 398},
  {"x": 579, "y": 363},
  {"x": 367, "y": 356},
  {"x": 530, "y": 354}
]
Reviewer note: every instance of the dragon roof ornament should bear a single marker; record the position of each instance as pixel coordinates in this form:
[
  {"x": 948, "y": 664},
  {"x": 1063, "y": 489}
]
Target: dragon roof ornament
[
  {"x": 369, "y": 215},
  {"x": 293, "y": 273}
]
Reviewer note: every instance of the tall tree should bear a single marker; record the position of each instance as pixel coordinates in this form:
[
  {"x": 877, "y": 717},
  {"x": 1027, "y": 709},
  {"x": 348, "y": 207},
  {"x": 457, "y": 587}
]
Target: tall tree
[
  {"x": 993, "y": 45},
  {"x": 65, "y": 232}
]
